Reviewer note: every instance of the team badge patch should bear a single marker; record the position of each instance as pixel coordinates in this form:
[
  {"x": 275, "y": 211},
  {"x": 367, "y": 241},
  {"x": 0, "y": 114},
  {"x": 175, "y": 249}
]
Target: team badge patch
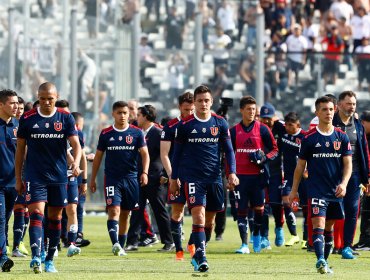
[
  {"x": 204, "y": 130},
  {"x": 58, "y": 126},
  {"x": 327, "y": 144},
  {"x": 214, "y": 130},
  {"x": 109, "y": 201},
  {"x": 47, "y": 125},
  {"x": 120, "y": 138},
  {"x": 192, "y": 199},
  {"x": 336, "y": 145},
  {"x": 315, "y": 210},
  {"x": 298, "y": 141},
  {"x": 28, "y": 197},
  {"x": 129, "y": 139}
]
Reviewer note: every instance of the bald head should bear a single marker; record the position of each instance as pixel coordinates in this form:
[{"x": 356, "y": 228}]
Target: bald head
[
  {"x": 47, "y": 87},
  {"x": 48, "y": 95}
]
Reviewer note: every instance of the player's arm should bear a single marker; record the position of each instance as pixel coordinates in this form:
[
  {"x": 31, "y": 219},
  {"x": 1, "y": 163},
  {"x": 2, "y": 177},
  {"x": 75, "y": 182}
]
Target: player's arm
[
  {"x": 83, "y": 166},
  {"x": 76, "y": 147},
  {"x": 229, "y": 155},
  {"x": 165, "y": 150},
  {"x": 269, "y": 143},
  {"x": 177, "y": 153},
  {"x": 95, "y": 168},
  {"x": 347, "y": 171},
  {"x": 145, "y": 161},
  {"x": 298, "y": 172},
  {"x": 19, "y": 160}
]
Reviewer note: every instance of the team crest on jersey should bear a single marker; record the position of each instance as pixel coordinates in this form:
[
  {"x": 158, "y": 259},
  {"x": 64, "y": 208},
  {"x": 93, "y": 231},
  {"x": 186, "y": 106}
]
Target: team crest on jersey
[
  {"x": 58, "y": 126},
  {"x": 204, "y": 130},
  {"x": 47, "y": 125},
  {"x": 129, "y": 139},
  {"x": 192, "y": 199},
  {"x": 214, "y": 130},
  {"x": 120, "y": 138},
  {"x": 315, "y": 210},
  {"x": 336, "y": 145},
  {"x": 327, "y": 144},
  {"x": 28, "y": 197},
  {"x": 298, "y": 141},
  {"x": 109, "y": 201}
]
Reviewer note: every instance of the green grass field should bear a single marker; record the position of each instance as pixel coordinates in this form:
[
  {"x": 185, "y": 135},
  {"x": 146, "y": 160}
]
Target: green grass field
[{"x": 97, "y": 262}]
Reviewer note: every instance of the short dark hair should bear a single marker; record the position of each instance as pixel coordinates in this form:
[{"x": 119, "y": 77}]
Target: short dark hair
[
  {"x": 332, "y": 96},
  {"x": 149, "y": 112},
  {"x": 322, "y": 99},
  {"x": 119, "y": 104},
  {"x": 28, "y": 106},
  {"x": 346, "y": 93},
  {"x": 62, "y": 103},
  {"x": 186, "y": 97},
  {"x": 245, "y": 100},
  {"x": 201, "y": 89},
  {"x": 291, "y": 117},
  {"x": 5, "y": 94},
  {"x": 36, "y": 104},
  {"x": 77, "y": 116},
  {"x": 20, "y": 100}
]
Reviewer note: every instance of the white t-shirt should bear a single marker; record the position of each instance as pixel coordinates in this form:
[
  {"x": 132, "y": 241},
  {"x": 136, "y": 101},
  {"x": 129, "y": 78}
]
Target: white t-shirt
[
  {"x": 363, "y": 49},
  {"x": 298, "y": 45},
  {"x": 312, "y": 31},
  {"x": 226, "y": 18},
  {"x": 342, "y": 9},
  {"x": 360, "y": 27},
  {"x": 219, "y": 46}
]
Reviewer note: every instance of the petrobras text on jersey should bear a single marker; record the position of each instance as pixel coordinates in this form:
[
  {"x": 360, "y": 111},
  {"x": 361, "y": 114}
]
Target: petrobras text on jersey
[
  {"x": 47, "y": 135},
  {"x": 291, "y": 143},
  {"x": 203, "y": 140},
  {"x": 327, "y": 155},
  {"x": 248, "y": 151},
  {"x": 119, "y": 148}
]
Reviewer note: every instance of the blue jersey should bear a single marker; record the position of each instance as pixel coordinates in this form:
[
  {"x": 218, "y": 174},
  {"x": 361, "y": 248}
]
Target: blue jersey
[
  {"x": 121, "y": 147},
  {"x": 275, "y": 165},
  {"x": 289, "y": 148},
  {"x": 168, "y": 133},
  {"x": 198, "y": 145},
  {"x": 46, "y": 138},
  {"x": 324, "y": 155},
  {"x": 8, "y": 140}
]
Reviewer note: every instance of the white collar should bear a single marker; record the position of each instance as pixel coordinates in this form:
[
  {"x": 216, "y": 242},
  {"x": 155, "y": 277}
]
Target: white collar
[
  {"x": 121, "y": 130},
  {"x": 46, "y": 116},
  {"x": 325, "y": 133},
  {"x": 201, "y": 120}
]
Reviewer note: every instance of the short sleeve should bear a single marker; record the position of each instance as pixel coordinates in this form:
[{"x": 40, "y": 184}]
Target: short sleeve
[
  {"x": 304, "y": 150},
  {"x": 81, "y": 139},
  {"x": 180, "y": 134},
  {"x": 70, "y": 126},
  {"x": 166, "y": 134},
  {"x": 224, "y": 130},
  {"x": 346, "y": 146},
  {"x": 141, "y": 140},
  {"x": 22, "y": 129},
  {"x": 102, "y": 144}
]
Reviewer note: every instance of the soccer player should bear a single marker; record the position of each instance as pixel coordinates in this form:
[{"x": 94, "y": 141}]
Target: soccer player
[
  {"x": 253, "y": 145},
  {"x": 186, "y": 107},
  {"x": 122, "y": 144},
  {"x": 327, "y": 152},
  {"x": 45, "y": 131},
  {"x": 8, "y": 134},
  {"x": 196, "y": 161},
  {"x": 20, "y": 110},
  {"x": 289, "y": 149},
  {"x": 345, "y": 120}
]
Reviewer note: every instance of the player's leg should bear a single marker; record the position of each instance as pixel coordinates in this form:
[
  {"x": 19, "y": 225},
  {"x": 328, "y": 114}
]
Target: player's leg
[
  {"x": 81, "y": 241},
  {"x": 290, "y": 219},
  {"x": 277, "y": 207},
  {"x": 177, "y": 214},
  {"x": 18, "y": 225},
  {"x": 302, "y": 190},
  {"x": 5, "y": 263},
  {"x": 10, "y": 196},
  {"x": 257, "y": 199},
  {"x": 72, "y": 224},
  {"x": 209, "y": 224}
]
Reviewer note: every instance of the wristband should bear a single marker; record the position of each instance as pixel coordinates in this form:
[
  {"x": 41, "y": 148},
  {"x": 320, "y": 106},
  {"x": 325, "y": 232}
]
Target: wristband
[{"x": 84, "y": 181}]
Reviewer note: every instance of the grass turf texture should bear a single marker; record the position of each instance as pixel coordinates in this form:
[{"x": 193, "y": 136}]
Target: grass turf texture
[{"x": 97, "y": 261}]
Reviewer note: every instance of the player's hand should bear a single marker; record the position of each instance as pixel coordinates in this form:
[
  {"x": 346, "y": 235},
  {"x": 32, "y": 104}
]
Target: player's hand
[
  {"x": 90, "y": 157},
  {"x": 258, "y": 157},
  {"x": 163, "y": 180},
  {"x": 93, "y": 186},
  {"x": 174, "y": 187},
  {"x": 83, "y": 189},
  {"x": 20, "y": 188},
  {"x": 305, "y": 174},
  {"x": 143, "y": 179},
  {"x": 232, "y": 181},
  {"x": 340, "y": 191},
  {"x": 292, "y": 196},
  {"x": 75, "y": 169}
]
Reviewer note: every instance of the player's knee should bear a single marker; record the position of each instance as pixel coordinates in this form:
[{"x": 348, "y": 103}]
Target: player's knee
[
  {"x": 113, "y": 212},
  {"x": 286, "y": 205},
  {"x": 176, "y": 216}
]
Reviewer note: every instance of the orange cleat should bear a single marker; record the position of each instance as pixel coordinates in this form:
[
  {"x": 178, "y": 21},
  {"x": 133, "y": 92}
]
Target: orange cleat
[
  {"x": 191, "y": 249},
  {"x": 180, "y": 255}
]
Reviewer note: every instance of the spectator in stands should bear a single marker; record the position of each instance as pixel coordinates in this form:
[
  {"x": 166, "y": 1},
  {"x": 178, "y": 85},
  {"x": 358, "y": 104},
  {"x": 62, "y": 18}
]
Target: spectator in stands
[
  {"x": 345, "y": 32},
  {"x": 323, "y": 5},
  {"x": 282, "y": 27},
  {"x": 129, "y": 8},
  {"x": 190, "y": 9},
  {"x": 47, "y": 10},
  {"x": 363, "y": 3},
  {"x": 282, "y": 8},
  {"x": 91, "y": 16},
  {"x": 298, "y": 9},
  {"x": 267, "y": 7},
  {"x": 362, "y": 57},
  {"x": 341, "y": 8},
  {"x": 147, "y": 58},
  {"x": 86, "y": 76},
  {"x": 250, "y": 19},
  {"x": 176, "y": 74},
  {"x": 296, "y": 47},
  {"x": 326, "y": 24},
  {"x": 219, "y": 83},
  {"x": 221, "y": 45},
  {"x": 333, "y": 46},
  {"x": 207, "y": 20},
  {"x": 247, "y": 72},
  {"x": 312, "y": 32},
  {"x": 226, "y": 18},
  {"x": 149, "y": 4},
  {"x": 174, "y": 29},
  {"x": 360, "y": 24}
]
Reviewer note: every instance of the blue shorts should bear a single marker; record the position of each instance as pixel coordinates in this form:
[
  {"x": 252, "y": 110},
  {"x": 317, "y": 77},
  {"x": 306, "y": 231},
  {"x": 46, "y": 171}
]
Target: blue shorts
[
  {"x": 180, "y": 199},
  {"x": 250, "y": 192},
  {"x": 54, "y": 194},
  {"x": 275, "y": 187},
  {"x": 302, "y": 191},
  {"x": 20, "y": 199},
  {"x": 123, "y": 193},
  {"x": 331, "y": 210},
  {"x": 72, "y": 190},
  {"x": 209, "y": 195}
]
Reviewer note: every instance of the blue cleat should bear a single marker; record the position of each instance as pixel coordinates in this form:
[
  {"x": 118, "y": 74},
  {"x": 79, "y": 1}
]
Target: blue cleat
[
  {"x": 257, "y": 243},
  {"x": 265, "y": 243},
  {"x": 195, "y": 264},
  {"x": 49, "y": 267},
  {"x": 73, "y": 250},
  {"x": 43, "y": 256},
  {"x": 6, "y": 263},
  {"x": 203, "y": 266},
  {"x": 279, "y": 239},
  {"x": 322, "y": 266},
  {"x": 243, "y": 249},
  {"x": 35, "y": 265},
  {"x": 347, "y": 254}
]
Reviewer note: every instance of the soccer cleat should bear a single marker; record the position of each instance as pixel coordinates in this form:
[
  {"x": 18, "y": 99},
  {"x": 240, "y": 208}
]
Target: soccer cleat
[
  {"x": 219, "y": 237},
  {"x": 17, "y": 254},
  {"x": 81, "y": 242},
  {"x": 131, "y": 247},
  {"x": 203, "y": 266},
  {"x": 167, "y": 248},
  {"x": 122, "y": 252},
  {"x": 22, "y": 248},
  {"x": 43, "y": 256},
  {"x": 265, "y": 243},
  {"x": 321, "y": 266},
  {"x": 293, "y": 240},
  {"x": 347, "y": 254},
  {"x": 73, "y": 250},
  {"x": 49, "y": 267},
  {"x": 194, "y": 263},
  {"x": 243, "y": 249},
  {"x": 35, "y": 265},
  {"x": 149, "y": 241},
  {"x": 361, "y": 247},
  {"x": 180, "y": 255},
  {"x": 257, "y": 243},
  {"x": 279, "y": 239},
  {"x": 56, "y": 253},
  {"x": 304, "y": 244},
  {"x": 6, "y": 263},
  {"x": 191, "y": 249},
  {"x": 116, "y": 249}
]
